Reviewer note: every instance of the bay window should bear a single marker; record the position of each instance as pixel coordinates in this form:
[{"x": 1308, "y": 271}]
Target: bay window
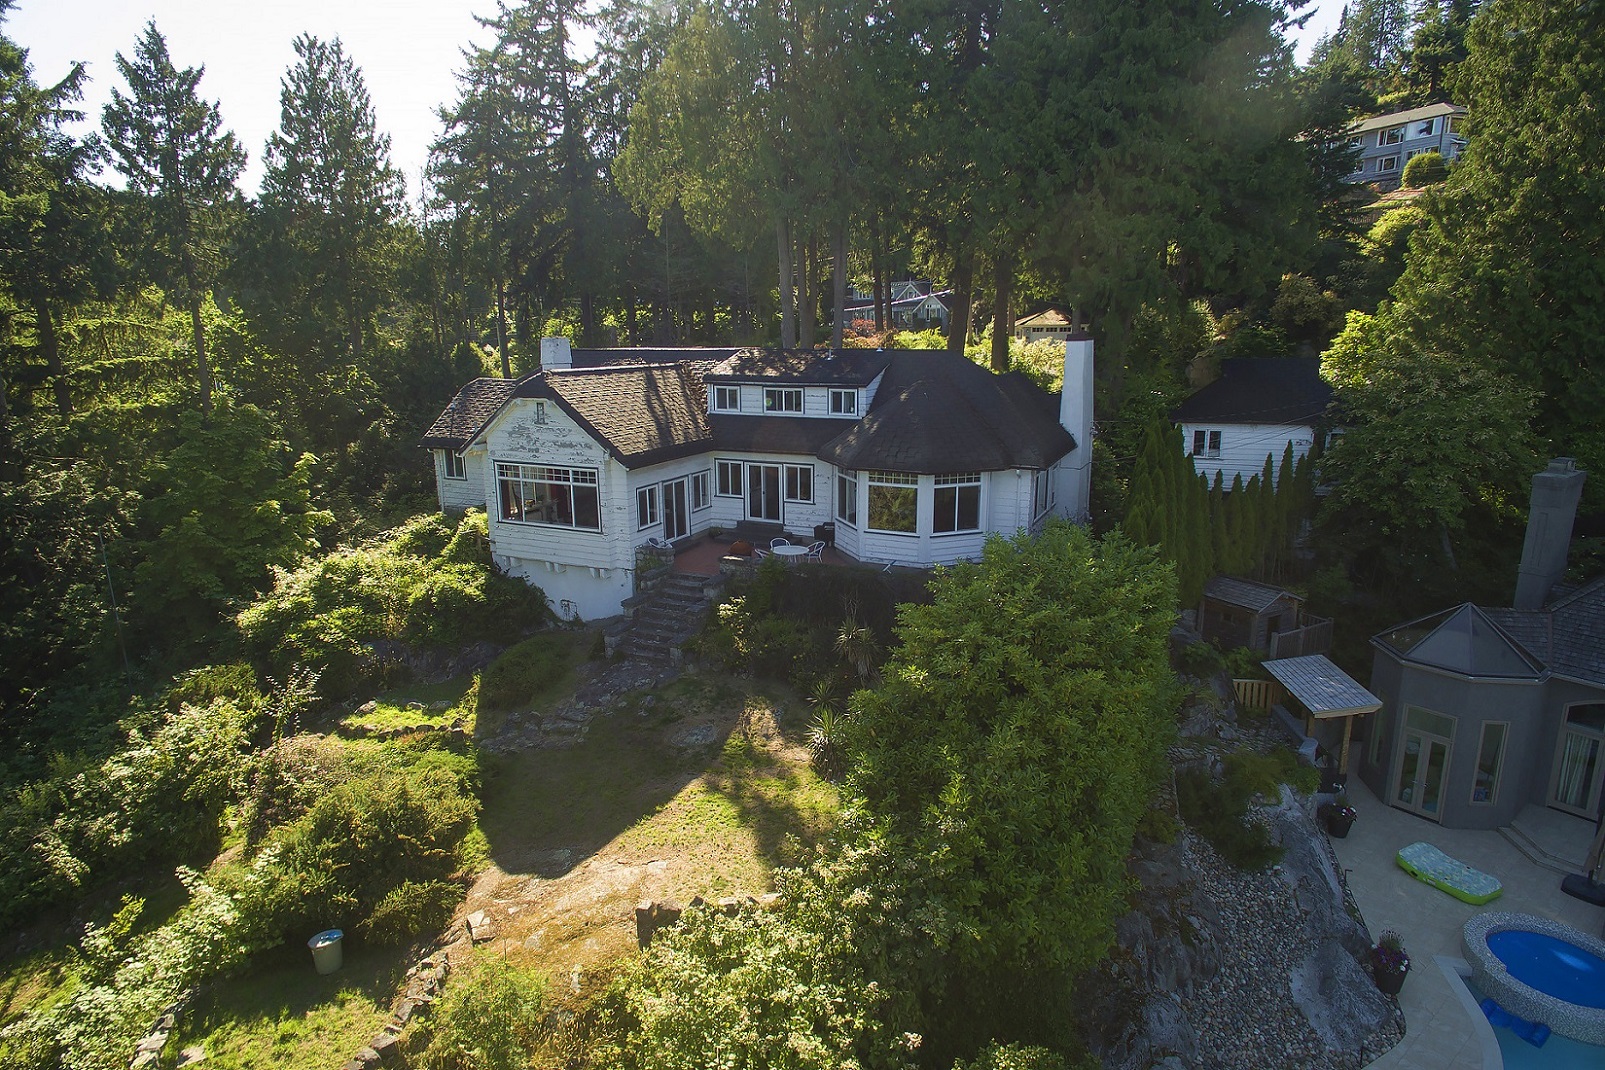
[
  {"x": 546, "y": 494},
  {"x": 957, "y": 503},
  {"x": 893, "y": 501}
]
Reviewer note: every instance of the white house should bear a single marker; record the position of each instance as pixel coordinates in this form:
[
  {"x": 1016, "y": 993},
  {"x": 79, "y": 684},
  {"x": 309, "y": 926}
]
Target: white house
[
  {"x": 915, "y": 456},
  {"x": 1254, "y": 410}
]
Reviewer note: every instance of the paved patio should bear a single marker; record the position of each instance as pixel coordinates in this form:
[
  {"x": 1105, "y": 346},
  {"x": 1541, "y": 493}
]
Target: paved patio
[{"x": 1440, "y": 1034}]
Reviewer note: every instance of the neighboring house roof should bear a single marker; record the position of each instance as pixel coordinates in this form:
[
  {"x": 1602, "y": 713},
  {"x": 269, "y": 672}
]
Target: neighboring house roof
[
  {"x": 841, "y": 367},
  {"x": 468, "y": 413},
  {"x": 1260, "y": 390},
  {"x": 642, "y": 414},
  {"x": 1324, "y": 689},
  {"x": 1397, "y": 118},
  {"x": 937, "y": 411},
  {"x": 1049, "y": 318},
  {"x": 602, "y": 358},
  {"x": 1245, "y": 594}
]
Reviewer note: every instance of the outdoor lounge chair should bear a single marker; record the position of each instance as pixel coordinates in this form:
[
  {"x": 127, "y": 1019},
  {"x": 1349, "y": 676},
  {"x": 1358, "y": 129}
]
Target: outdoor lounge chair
[{"x": 1426, "y": 863}]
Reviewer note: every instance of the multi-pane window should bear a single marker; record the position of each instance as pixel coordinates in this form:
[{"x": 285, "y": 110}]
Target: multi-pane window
[
  {"x": 847, "y": 498},
  {"x": 1425, "y": 128},
  {"x": 893, "y": 501},
  {"x": 456, "y": 467},
  {"x": 544, "y": 494},
  {"x": 646, "y": 506},
  {"x": 1391, "y": 136},
  {"x": 699, "y": 490},
  {"x": 1485, "y": 786},
  {"x": 782, "y": 399},
  {"x": 1041, "y": 492},
  {"x": 844, "y": 403},
  {"x": 729, "y": 483},
  {"x": 1206, "y": 443},
  {"x": 1388, "y": 163},
  {"x": 957, "y": 504},
  {"x": 727, "y": 399},
  {"x": 799, "y": 482}
]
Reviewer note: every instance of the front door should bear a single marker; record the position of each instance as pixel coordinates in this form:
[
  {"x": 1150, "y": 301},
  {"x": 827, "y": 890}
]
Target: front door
[
  {"x": 763, "y": 492},
  {"x": 676, "y": 517},
  {"x": 1424, "y": 763},
  {"x": 1574, "y": 785}
]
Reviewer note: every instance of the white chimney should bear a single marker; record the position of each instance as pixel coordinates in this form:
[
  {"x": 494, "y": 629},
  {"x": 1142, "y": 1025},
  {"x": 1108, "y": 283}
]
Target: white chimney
[
  {"x": 1075, "y": 416},
  {"x": 1556, "y": 491},
  {"x": 556, "y": 353}
]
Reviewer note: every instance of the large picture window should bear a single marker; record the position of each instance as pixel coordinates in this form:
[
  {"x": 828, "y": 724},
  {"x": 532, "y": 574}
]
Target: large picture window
[
  {"x": 729, "y": 482},
  {"x": 893, "y": 501},
  {"x": 957, "y": 503},
  {"x": 543, "y": 494},
  {"x": 456, "y": 467},
  {"x": 799, "y": 482},
  {"x": 782, "y": 399},
  {"x": 847, "y": 498}
]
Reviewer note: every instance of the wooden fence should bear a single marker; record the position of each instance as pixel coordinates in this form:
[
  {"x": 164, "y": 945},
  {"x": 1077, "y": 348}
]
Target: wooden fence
[
  {"x": 1258, "y": 694},
  {"x": 1313, "y": 637}
]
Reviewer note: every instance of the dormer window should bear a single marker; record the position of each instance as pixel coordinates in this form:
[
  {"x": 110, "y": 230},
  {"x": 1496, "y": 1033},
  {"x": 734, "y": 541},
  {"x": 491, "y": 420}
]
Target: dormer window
[
  {"x": 844, "y": 403},
  {"x": 727, "y": 399},
  {"x": 782, "y": 399}
]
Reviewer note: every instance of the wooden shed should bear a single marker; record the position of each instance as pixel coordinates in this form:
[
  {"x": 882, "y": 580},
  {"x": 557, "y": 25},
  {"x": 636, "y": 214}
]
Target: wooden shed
[{"x": 1238, "y": 612}]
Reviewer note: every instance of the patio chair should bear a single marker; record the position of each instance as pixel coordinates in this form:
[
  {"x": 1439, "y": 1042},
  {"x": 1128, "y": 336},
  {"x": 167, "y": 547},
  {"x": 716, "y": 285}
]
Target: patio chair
[
  {"x": 659, "y": 544},
  {"x": 816, "y": 551},
  {"x": 778, "y": 542},
  {"x": 759, "y": 553}
]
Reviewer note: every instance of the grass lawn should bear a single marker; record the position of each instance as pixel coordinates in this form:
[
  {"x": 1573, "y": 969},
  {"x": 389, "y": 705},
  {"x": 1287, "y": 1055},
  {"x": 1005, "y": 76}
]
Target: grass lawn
[
  {"x": 279, "y": 1012},
  {"x": 408, "y": 706}
]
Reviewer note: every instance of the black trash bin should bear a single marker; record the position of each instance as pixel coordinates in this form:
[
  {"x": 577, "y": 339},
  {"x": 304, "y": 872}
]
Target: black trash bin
[{"x": 825, "y": 533}]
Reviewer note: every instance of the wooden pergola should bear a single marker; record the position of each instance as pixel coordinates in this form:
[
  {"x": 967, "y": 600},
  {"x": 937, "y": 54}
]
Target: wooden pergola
[{"x": 1325, "y": 693}]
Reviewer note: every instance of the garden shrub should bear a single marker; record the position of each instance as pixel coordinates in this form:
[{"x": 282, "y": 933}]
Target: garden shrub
[
  {"x": 1015, "y": 1057},
  {"x": 487, "y": 1020},
  {"x": 410, "y": 908},
  {"x": 1201, "y": 660},
  {"x": 1218, "y": 812},
  {"x": 524, "y": 674}
]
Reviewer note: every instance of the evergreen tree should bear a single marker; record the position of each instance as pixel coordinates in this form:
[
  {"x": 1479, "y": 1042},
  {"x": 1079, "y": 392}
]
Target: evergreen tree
[{"x": 170, "y": 146}]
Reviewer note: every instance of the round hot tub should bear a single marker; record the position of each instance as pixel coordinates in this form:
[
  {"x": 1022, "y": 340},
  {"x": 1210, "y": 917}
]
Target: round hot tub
[{"x": 1541, "y": 970}]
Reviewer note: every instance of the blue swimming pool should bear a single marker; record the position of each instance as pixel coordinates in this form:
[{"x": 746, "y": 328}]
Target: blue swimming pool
[
  {"x": 1553, "y": 966},
  {"x": 1558, "y": 1053}
]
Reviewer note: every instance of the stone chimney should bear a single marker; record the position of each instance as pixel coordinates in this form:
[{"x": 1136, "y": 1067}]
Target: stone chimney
[
  {"x": 1075, "y": 416},
  {"x": 1556, "y": 491},
  {"x": 556, "y": 353}
]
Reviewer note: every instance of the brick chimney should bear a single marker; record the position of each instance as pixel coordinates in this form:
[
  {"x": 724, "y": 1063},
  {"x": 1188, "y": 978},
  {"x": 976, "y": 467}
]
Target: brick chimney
[
  {"x": 1075, "y": 416},
  {"x": 556, "y": 353},
  {"x": 1556, "y": 491}
]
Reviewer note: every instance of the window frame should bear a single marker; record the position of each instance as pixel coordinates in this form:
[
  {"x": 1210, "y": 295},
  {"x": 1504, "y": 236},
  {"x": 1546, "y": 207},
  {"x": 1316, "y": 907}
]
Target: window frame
[
  {"x": 847, "y": 497},
  {"x": 1041, "y": 492},
  {"x": 962, "y": 484},
  {"x": 843, "y": 402},
  {"x": 1499, "y": 762},
  {"x": 1387, "y": 164},
  {"x": 701, "y": 490},
  {"x": 737, "y": 470},
  {"x": 723, "y": 392},
  {"x": 900, "y": 483},
  {"x": 794, "y": 475},
  {"x": 461, "y": 465},
  {"x": 1393, "y": 135},
  {"x": 774, "y": 398},
  {"x": 648, "y": 507},
  {"x": 552, "y": 478},
  {"x": 1426, "y": 127}
]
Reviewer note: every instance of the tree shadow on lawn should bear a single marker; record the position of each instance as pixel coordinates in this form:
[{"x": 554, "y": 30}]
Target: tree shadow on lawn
[
  {"x": 279, "y": 1011},
  {"x": 787, "y": 805}
]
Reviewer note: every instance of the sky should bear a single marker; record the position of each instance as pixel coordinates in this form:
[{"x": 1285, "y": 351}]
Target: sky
[{"x": 409, "y": 52}]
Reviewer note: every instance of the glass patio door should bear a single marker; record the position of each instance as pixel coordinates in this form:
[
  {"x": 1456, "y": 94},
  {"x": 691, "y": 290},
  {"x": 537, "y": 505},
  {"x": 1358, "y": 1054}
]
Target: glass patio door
[
  {"x": 1575, "y": 784},
  {"x": 763, "y": 492},
  {"x": 1425, "y": 762},
  {"x": 676, "y": 517}
]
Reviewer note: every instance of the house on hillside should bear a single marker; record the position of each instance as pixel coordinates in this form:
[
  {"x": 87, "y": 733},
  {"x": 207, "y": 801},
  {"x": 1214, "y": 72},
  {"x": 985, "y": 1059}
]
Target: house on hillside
[
  {"x": 1487, "y": 710},
  {"x": 1257, "y": 407},
  {"x": 912, "y": 304},
  {"x": 1050, "y": 324},
  {"x": 916, "y": 456},
  {"x": 1386, "y": 142}
]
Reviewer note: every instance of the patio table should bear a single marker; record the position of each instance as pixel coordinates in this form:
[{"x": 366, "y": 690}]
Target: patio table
[{"x": 789, "y": 553}]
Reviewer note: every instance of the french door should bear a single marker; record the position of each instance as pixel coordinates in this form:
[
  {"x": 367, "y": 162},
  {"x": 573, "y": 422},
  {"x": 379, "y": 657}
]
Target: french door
[
  {"x": 763, "y": 492},
  {"x": 1424, "y": 765},
  {"x": 676, "y": 517},
  {"x": 1575, "y": 783}
]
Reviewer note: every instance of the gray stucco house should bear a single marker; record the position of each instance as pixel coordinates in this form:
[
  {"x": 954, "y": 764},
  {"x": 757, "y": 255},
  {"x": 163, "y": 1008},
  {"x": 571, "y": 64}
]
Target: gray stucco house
[
  {"x": 1386, "y": 142},
  {"x": 1487, "y": 710}
]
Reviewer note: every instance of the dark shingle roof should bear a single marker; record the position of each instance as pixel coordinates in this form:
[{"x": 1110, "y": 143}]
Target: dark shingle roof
[
  {"x": 938, "y": 412},
  {"x": 1260, "y": 390},
  {"x": 1246, "y": 594},
  {"x": 775, "y": 434},
  {"x": 642, "y": 414},
  {"x": 474, "y": 404},
  {"x": 1568, "y": 636},
  {"x": 841, "y": 367},
  {"x": 601, "y": 358}
]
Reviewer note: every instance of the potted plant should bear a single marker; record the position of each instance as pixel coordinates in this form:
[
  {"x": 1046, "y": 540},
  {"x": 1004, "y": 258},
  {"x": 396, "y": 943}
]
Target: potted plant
[
  {"x": 1389, "y": 962},
  {"x": 741, "y": 548},
  {"x": 1338, "y": 816}
]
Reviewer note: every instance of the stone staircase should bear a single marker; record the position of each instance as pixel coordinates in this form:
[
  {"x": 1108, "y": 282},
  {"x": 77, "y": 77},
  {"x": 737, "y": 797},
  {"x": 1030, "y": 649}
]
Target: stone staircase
[{"x": 667, "y": 619}]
